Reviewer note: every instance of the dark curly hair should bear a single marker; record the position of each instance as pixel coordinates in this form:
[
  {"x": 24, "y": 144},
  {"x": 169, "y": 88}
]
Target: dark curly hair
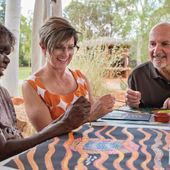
[{"x": 4, "y": 32}]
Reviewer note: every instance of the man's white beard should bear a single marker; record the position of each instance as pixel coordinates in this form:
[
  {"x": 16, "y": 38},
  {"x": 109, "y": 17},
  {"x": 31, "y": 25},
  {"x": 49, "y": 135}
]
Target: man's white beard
[{"x": 159, "y": 62}]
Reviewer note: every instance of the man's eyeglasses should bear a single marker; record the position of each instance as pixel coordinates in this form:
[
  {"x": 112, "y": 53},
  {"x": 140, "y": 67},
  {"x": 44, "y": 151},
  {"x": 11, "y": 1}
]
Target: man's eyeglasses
[{"x": 70, "y": 49}]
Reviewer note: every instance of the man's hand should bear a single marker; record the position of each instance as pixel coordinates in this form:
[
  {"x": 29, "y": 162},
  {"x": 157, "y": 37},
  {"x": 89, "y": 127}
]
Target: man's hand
[
  {"x": 103, "y": 106},
  {"x": 133, "y": 98},
  {"x": 166, "y": 104},
  {"x": 77, "y": 114}
]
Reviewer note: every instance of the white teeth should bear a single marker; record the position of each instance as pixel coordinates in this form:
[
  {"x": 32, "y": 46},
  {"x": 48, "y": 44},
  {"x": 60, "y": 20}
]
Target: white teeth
[
  {"x": 159, "y": 56},
  {"x": 63, "y": 60}
]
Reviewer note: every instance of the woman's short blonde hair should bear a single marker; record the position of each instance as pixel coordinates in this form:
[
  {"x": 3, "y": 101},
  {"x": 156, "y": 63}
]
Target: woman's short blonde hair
[{"x": 55, "y": 31}]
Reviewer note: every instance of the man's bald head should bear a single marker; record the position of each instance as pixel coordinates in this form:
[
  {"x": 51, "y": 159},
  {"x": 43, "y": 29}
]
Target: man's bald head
[
  {"x": 159, "y": 46},
  {"x": 163, "y": 25}
]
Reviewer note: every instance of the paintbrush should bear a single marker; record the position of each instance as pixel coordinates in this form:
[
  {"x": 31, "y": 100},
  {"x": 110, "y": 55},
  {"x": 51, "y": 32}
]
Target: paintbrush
[
  {"x": 130, "y": 111},
  {"x": 120, "y": 101}
]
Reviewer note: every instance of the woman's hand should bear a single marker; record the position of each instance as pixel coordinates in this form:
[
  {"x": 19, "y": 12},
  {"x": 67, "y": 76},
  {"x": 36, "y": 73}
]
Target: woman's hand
[
  {"x": 103, "y": 106},
  {"x": 77, "y": 114}
]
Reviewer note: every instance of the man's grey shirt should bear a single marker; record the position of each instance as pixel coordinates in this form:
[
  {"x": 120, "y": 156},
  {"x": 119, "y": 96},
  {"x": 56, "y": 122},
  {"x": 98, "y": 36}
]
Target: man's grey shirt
[{"x": 154, "y": 88}]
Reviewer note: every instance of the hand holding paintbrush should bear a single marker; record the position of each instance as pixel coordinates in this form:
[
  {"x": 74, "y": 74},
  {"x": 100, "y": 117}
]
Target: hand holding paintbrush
[{"x": 101, "y": 107}]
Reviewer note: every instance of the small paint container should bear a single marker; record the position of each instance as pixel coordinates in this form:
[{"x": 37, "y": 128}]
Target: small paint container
[{"x": 161, "y": 117}]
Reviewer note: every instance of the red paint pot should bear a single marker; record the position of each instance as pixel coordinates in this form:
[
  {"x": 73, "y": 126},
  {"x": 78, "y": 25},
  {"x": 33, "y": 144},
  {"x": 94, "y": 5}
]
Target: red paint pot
[{"x": 162, "y": 117}]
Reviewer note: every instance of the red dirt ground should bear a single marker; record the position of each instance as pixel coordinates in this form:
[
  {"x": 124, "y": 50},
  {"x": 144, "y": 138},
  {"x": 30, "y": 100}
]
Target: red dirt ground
[{"x": 115, "y": 86}]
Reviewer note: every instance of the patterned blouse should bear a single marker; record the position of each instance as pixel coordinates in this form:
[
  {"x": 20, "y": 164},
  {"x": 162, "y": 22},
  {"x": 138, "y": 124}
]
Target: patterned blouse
[{"x": 57, "y": 103}]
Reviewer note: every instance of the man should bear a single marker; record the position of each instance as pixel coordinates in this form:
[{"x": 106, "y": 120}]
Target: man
[
  {"x": 149, "y": 83},
  {"x": 11, "y": 141}
]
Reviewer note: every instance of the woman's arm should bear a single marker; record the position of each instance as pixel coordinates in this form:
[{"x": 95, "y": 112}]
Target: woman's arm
[{"x": 37, "y": 111}]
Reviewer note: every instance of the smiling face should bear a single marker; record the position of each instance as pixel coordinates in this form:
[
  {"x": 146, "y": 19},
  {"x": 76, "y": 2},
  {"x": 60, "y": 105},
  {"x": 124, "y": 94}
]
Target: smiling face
[
  {"x": 159, "y": 46},
  {"x": 58, "y": 40},
  {"x": 5, "y": 50},
  {"x": 61, "y": 55}
]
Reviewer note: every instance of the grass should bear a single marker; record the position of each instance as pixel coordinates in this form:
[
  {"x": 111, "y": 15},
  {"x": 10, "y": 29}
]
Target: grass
[
  {"x": 24, "y": 72},
  {"x": 92, "y": 64}
]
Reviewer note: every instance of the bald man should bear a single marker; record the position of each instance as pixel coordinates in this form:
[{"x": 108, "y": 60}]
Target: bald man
[{"x": 149, "y": 83}]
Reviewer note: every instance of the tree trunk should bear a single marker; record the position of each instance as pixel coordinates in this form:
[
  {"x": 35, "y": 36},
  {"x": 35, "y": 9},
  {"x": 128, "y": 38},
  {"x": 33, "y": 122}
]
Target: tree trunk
[
  {"x": 139, "y": 47},
  {"x": 12, "y": 22}
]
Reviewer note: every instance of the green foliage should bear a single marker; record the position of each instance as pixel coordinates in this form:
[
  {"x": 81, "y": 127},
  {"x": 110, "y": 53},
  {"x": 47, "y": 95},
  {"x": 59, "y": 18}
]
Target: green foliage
[
  {"x": 128, "y": 20},
  {"x": 25, "y": 41},
  {"x": 25, "y": 35},
  {"x": 103, "y": 17},
  {"x": 2, "y": 11},
  {"x": 24, "y": 72}
]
